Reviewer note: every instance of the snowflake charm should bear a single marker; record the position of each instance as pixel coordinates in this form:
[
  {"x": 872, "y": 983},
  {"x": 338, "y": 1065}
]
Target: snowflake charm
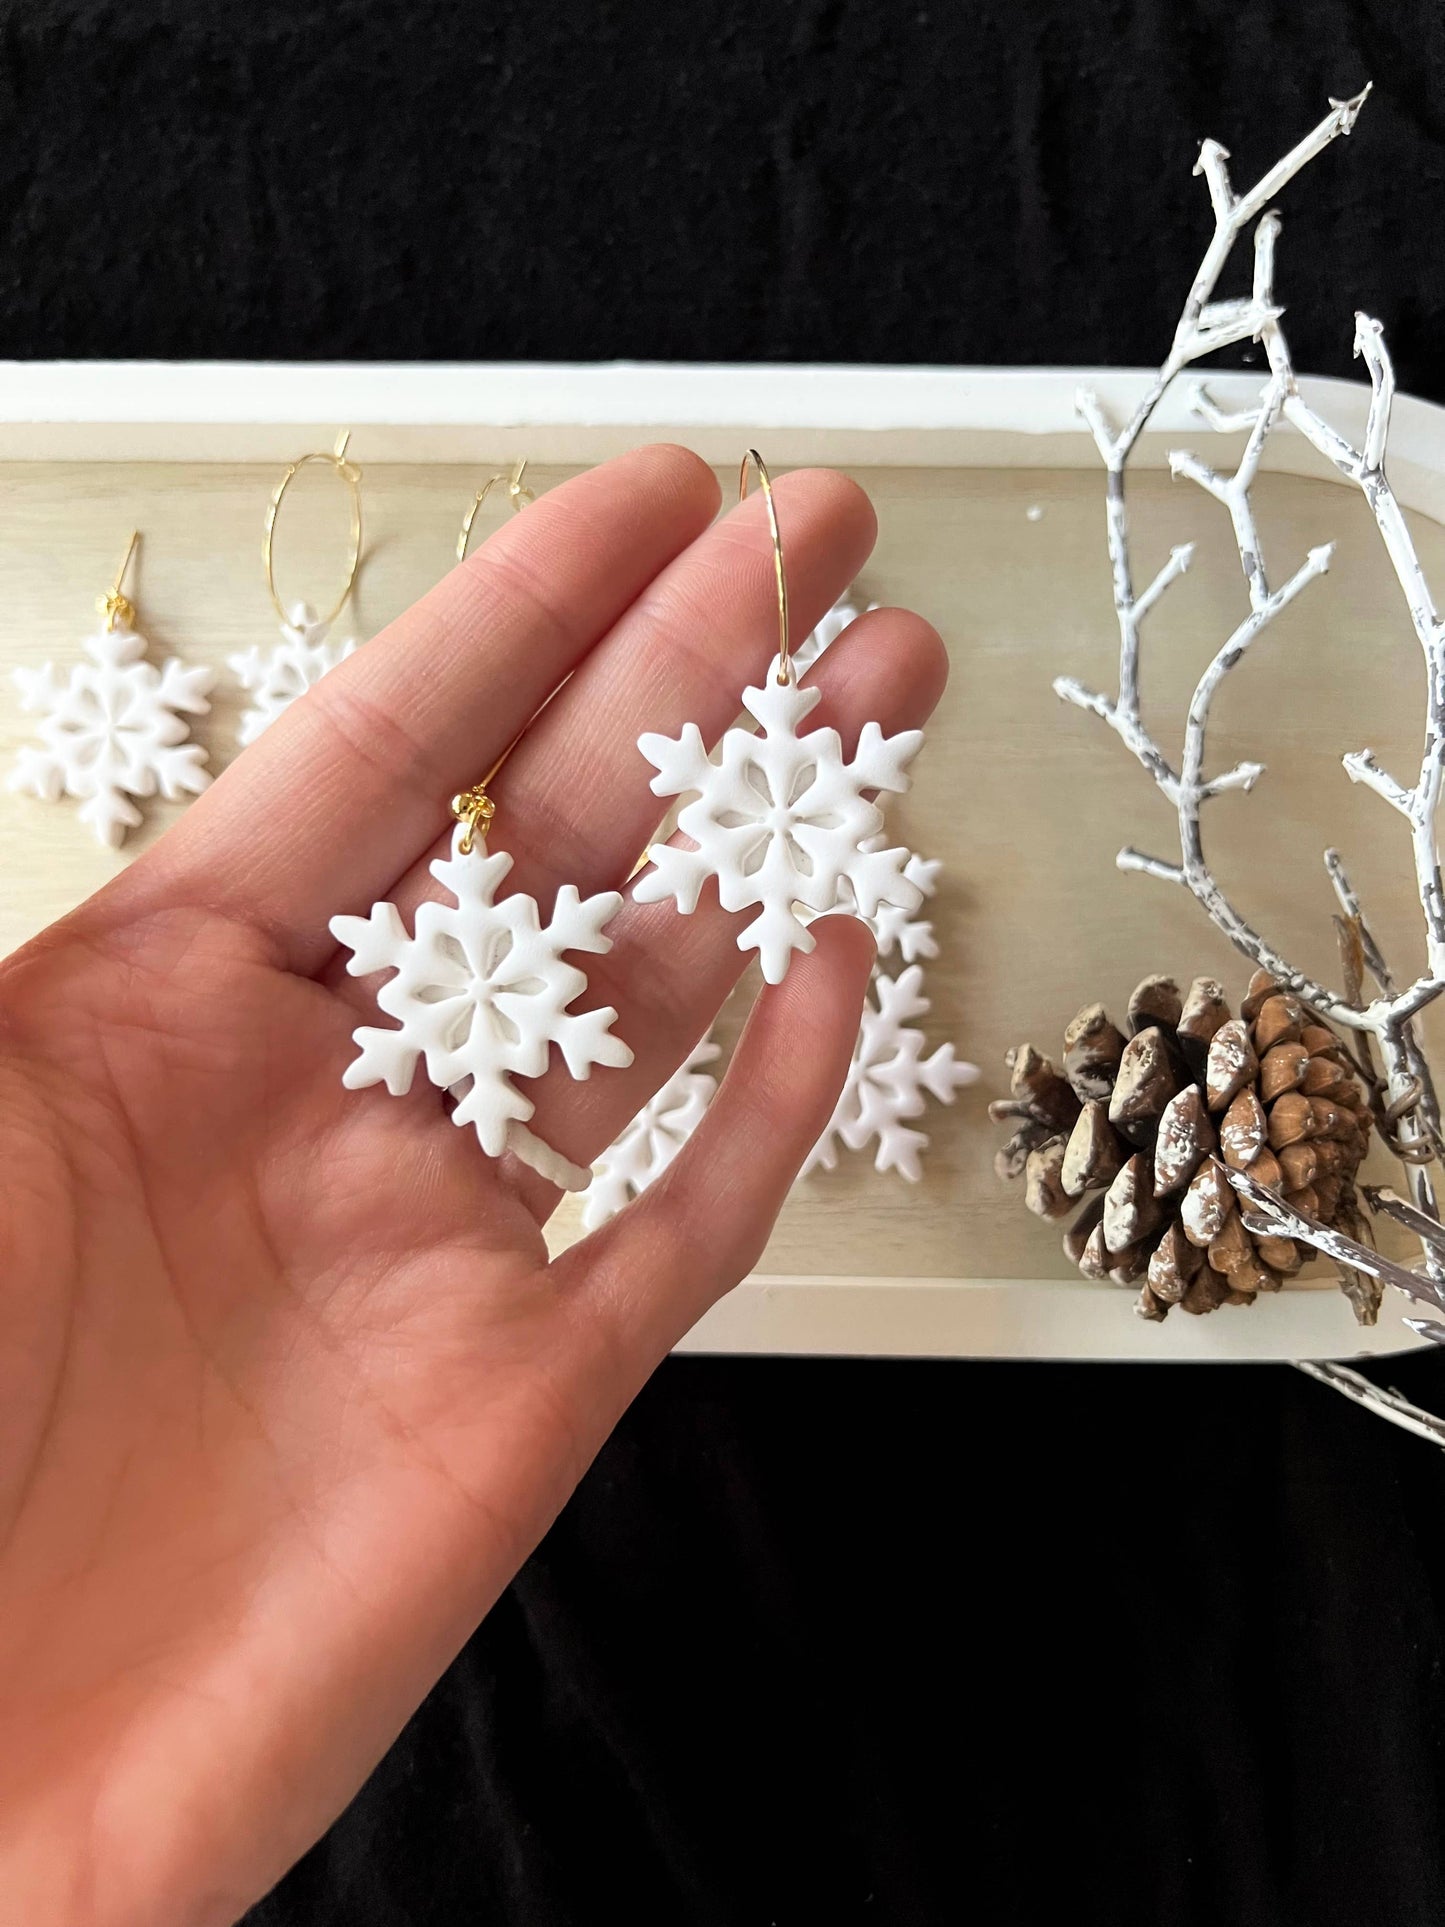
[
  {"x": 889, "y": 1080},
  {"x": 112, "y": 730},
  {"x": 781, "y": 820},
  {"x": 826, "y": 634},
  {"x": 641, "y": 1153},
  {"x": 481, "y": 993},
  {"x": 275, "y": 677},
  {"x": 895, "y": 929}
]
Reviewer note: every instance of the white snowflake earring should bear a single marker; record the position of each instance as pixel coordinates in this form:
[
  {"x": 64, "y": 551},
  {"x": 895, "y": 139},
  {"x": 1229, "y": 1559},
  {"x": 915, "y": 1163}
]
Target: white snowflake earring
[
  {"x": 889, "y": 1081},
  {"x": 481, "y": 994},
  {"x": 643, "y": 1150},
  {"x": 114, "y": 729},
  {"x": 783, "y": 822},
  {"x": 274, "y": 678}
]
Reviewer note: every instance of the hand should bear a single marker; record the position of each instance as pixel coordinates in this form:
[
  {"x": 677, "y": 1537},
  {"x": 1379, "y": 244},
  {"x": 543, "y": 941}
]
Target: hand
[{"x": 288, "y": 1388}]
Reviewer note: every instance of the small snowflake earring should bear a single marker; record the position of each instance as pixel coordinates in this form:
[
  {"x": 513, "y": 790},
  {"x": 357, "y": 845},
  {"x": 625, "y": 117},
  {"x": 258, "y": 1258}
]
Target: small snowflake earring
[
  {"x": 782, "y": 821},
  {"x": 481, "y": 993},
  {"x": 275, "y": 677},
  {"x": 114, "y": 729}
]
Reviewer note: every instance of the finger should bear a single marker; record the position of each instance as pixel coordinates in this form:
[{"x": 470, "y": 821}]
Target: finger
[
  {"x": 351, "y": 783},
  {"x": 573, "y": 802},
  {"x": 667, "y": 975},
  {"x": 650, "y": 1273}
]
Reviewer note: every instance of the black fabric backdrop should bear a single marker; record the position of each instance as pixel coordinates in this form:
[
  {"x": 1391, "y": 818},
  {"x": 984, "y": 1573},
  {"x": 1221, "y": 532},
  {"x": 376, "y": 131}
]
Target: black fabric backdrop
[{"x": 826, "y": 1642}]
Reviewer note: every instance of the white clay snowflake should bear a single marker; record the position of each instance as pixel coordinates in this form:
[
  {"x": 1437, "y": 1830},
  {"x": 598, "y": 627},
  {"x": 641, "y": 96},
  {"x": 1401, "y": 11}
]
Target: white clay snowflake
[
  {"x": 844, "y": 611},
  {"x": 894, "y": 929},
  {"x": 641, "y": 1153},
  {"x": 275, "y": 677},
  {"x": 781, "y": 820},
  {"x": 113, "y": 730},
  {"x": 481, "y": 993},
  {"x": 889, "y": 1081}
]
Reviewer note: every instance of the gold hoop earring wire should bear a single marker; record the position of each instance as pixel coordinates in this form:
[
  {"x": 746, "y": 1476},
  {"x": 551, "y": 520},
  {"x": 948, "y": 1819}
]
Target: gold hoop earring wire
[
  {"x": 517, "y": 494},
  {"x": 114, "y": 605},
  {"x": 473, "y": 807},
  {"x": 346, "y": 472},
  {"x": 753, "y": 460}
]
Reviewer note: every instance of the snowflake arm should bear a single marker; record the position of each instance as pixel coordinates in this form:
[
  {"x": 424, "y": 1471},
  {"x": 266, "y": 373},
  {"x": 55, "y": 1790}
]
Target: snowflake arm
[
  {"x": 184, "y": 687},
  {"x": 372, "y": 940}
]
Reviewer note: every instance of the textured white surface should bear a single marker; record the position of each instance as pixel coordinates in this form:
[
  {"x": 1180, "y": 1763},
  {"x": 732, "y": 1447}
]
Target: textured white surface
[
  {"x": 481, "y": 993},
  {"x": 112, "y": 730},
  {"x": 781, "y": 820},
  {"x": 640, "y": 1154},
  {"x": 889, "y": 1081},
  {"x": 273, "y": 678}
]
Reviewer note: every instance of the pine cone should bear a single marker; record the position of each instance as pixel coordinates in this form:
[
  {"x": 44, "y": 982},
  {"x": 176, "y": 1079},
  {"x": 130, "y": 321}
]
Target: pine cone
[{"x": 1137, "y": 1122}]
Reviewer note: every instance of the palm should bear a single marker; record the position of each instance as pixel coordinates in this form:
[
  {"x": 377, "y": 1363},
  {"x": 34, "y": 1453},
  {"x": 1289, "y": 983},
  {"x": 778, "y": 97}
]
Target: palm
[{"x": 288, "y": 1387}]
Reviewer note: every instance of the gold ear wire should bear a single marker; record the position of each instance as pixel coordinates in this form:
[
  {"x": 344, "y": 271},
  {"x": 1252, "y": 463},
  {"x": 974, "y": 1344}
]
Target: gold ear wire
[
  {"x": 753, "y": 459},
  {"x": 517, "y": 494},
  {"x": 113, "y": 605},
  {"x": 346, "y": 472}
]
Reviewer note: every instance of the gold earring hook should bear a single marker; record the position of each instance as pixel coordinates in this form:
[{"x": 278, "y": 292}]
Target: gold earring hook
[
  {"x": 517, "y": 494},
  {"x": 113, "y": 605},
  {"x": 346, "y": 472},
  {"x": 753, "y": 459}
]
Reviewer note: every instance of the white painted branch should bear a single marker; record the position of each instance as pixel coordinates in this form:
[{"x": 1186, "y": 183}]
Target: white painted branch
[
  {"x": 1228, "y": 657},
  {"x": 1266, "y": 235},
  {"x": 1243, "y": 776},
  {"x": 1178, "y": 563},
  {"x": 1213, "y": 164},
  {"x": 1370, "y": 343},
  {"x": 1182, "y": 462},
  {"x": 1361, "y": 767},
  {"x": 1340, "y": 120},
  {"x": 1128, "y": 728},
  {"x": 1224, "y": 421},
  {"x": 1206, "y": 323},
  {"x": 1284, "y": 1220},
  {"x": 1386, "y": 1405},
  {"x": 1150, "y": 866}
]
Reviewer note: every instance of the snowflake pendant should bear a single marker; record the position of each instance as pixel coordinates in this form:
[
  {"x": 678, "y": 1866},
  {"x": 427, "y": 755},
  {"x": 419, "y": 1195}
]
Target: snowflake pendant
[
  {"x": 275, "y": 677},
  {"x": 781, "y": 820},
  {"x": 113, "y": 730},
  {"x": 641, "y": 1153},
  {"x": 481, "y": 993},
  {"x": 889, "y": 1080},
  {"x": 894, "y": 929}
]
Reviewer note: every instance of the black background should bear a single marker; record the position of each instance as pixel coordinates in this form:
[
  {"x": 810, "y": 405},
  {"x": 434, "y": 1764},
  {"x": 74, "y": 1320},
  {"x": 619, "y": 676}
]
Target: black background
[{"x": 825, "y": 1641}]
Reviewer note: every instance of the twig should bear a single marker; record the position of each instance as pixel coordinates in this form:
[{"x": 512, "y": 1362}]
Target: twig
[
  {"x": 1404, "y": 1093},
  {"x": 1384, "y": 1404}
]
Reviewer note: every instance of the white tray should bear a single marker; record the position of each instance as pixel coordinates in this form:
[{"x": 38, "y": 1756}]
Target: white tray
[{"x": 1025, "y": 801}]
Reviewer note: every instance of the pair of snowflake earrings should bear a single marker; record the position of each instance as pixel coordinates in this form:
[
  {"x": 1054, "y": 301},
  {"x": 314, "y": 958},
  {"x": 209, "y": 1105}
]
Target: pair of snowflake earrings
[
  {"x": 783, "y": 823},
  {"x": 114, "y": 729},
  {"x": 277, "y": 676}
]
